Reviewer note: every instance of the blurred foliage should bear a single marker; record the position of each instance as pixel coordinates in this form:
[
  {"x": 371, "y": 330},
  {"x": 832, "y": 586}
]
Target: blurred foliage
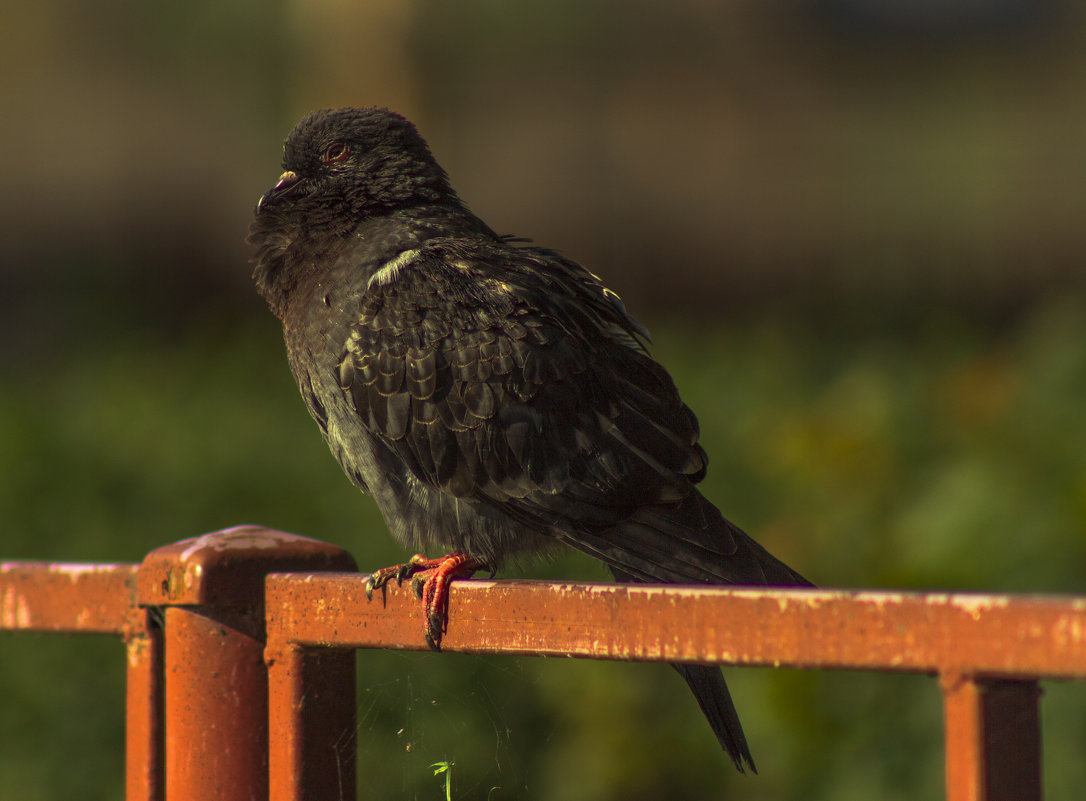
[
  {"x": 820, "y": 149},
  {"x": 948, "y": 456}
]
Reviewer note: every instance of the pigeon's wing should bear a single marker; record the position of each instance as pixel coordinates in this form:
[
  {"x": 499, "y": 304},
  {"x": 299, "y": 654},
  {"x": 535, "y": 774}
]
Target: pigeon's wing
[
  {"x": 493, "y": 374},
  {"x": 509, "y": 377}
]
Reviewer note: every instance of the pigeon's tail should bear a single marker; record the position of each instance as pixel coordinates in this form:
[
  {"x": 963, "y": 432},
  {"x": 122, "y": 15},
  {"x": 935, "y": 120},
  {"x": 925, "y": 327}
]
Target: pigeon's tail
[
  {"x": 711, "y": 692},
  {"x": 688, "y": 542},
  {"x": 691, "y": 542}
]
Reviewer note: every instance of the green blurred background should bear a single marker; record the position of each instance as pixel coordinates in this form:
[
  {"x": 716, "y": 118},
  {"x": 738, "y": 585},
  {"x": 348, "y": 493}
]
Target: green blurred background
[{"x": 854, "y": 227}]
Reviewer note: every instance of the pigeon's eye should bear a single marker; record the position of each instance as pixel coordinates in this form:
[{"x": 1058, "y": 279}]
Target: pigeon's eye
[{"x": 335, "y": 153}]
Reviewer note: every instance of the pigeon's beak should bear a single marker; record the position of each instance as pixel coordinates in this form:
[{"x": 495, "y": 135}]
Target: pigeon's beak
[{"x": 285, "y": 183}]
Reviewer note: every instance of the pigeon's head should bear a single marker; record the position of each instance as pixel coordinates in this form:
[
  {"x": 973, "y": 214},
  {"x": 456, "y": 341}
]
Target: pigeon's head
[
  {"x": 341, "y": 167},
  {"x": 357, "y": 162}
]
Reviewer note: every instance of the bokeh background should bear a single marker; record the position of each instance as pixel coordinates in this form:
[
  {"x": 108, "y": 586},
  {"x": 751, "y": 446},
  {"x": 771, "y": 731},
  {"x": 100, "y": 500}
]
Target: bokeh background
[{"x": 854, "y": 227}]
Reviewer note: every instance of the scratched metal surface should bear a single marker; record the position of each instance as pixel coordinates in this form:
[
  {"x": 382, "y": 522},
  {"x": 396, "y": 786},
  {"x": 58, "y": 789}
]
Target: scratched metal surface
[
  {"x": 989, "y": 635},
  {"x": 66, "y": 597}
]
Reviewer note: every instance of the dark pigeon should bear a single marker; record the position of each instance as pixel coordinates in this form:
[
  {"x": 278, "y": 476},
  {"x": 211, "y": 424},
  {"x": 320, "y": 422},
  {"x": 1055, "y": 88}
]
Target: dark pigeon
[{"x": 494, "y": 398}]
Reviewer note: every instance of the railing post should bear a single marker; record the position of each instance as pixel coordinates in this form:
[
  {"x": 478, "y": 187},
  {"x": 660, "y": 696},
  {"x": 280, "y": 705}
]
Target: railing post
[
  {"x": 993, "y": 739},
  {"x": 311, "y": 695},
  {"x": 215, "y": 708},
  {"x": 216, "y": 712},
  {"x": 144, "y": 778}
]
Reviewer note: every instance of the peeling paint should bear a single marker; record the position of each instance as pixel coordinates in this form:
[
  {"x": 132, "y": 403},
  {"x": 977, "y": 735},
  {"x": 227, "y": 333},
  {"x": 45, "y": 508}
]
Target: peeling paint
[
  {"x": 975, "y": 605},
  {"x": 137, "y": 650},
  {"x": 881, "y": 599},
  {"x": 597, "y": 589},
  {"x": 74, "y": 570},
  {"x": 14, "y": 610},
  {"x": 1069, "y": 630}
]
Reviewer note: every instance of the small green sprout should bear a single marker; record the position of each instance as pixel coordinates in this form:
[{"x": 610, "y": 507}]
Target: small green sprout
[{"x": 446, "y": 768}]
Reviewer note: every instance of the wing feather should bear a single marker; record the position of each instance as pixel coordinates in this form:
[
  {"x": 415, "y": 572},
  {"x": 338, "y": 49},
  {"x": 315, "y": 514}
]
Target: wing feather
[{"x": 532, "y": 394}]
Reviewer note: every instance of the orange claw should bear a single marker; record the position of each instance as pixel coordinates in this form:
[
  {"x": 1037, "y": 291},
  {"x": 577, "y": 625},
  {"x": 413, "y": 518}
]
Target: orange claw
[{"x": 430, "y": 579}]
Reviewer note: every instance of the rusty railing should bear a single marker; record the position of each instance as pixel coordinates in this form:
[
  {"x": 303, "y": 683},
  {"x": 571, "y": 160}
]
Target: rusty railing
[{"x": 241, "y": 654}]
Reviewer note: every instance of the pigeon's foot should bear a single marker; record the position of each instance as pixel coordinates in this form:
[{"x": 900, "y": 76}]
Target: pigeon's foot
[{"x": 430, "y": 579}]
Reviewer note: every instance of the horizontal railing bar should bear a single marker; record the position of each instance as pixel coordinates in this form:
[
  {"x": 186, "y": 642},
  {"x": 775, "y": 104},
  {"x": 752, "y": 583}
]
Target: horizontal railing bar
[
  {"x": 66, "y": 597},
  {"x": 984, "y": 635}
]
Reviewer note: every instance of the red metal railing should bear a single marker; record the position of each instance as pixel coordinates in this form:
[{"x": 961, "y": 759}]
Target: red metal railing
[{"x": 241, "y": 648}]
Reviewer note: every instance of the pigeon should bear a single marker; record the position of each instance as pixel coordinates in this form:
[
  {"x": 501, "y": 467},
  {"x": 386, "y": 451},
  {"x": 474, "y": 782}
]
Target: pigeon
[{"x": 493, "y": 397}]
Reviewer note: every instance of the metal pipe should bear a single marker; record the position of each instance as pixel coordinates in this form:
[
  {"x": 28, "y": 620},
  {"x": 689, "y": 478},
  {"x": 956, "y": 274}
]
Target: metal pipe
[
  {"x": 216, "y": 709},
  {"x": 993, "y": 739},
  {"x": 984, "y": 635},
  {"x": 311, "y": 700},
  {"x": 144, "y": 758}
]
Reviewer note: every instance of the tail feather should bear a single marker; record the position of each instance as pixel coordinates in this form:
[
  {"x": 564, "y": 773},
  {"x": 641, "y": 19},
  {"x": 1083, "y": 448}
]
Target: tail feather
[
  {"x": 693, "y": 543},
  {"x": 685, "y": 543},
  {"x": 711, "y": 692}
]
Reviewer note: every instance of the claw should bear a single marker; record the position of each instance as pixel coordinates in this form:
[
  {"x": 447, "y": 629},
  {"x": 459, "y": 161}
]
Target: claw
[
  {"x": 435, "y": 629},
  {"x": 418, "y": 585},
  {"x": 379, "y": 578},
  {"x": 435, "y": 645},
  {"x": 430, "y": 579}
]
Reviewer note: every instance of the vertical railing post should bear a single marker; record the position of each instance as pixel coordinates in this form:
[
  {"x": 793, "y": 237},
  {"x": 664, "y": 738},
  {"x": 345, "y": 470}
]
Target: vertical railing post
[
  {"x": 311, "y": 695},
  {"x": 144, "y": 778},
  {"x": 993, "y": 739},
  {"x": 215, "y": 685},
  {"x": 215, "y": 705}
]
